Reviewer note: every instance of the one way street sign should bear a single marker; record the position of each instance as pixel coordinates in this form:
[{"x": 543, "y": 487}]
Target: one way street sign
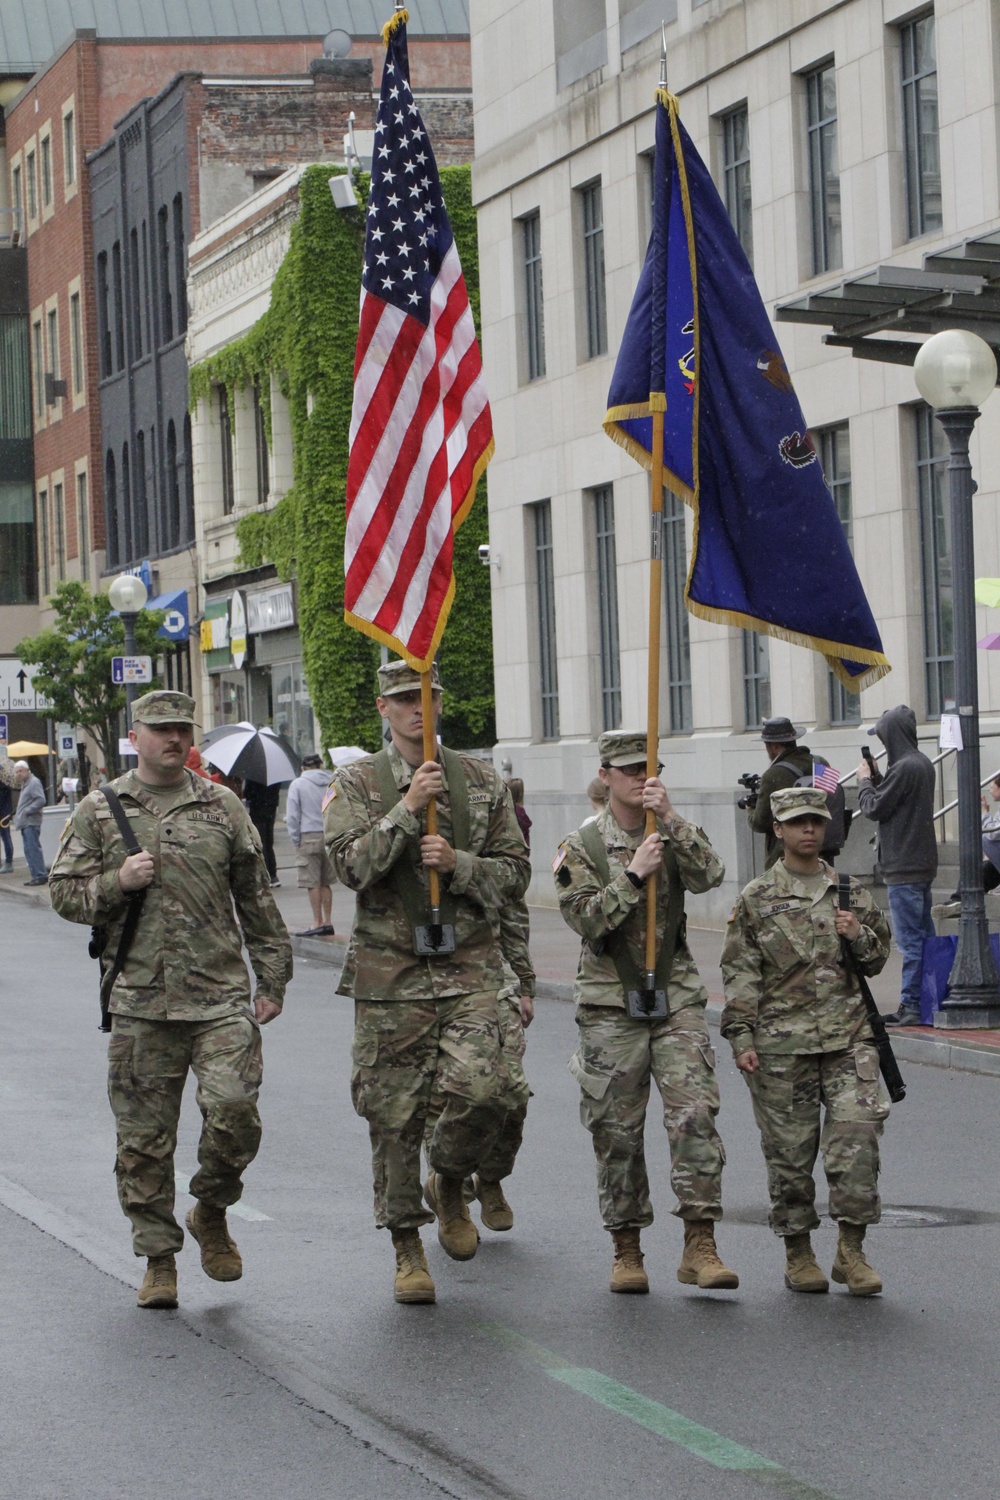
[{"x": 17, "y": 693}]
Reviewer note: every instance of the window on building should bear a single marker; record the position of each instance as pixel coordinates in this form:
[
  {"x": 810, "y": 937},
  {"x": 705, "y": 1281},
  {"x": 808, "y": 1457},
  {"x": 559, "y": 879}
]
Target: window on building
[
  {"x": 16, "y": 197},
  {"x": 607, "y": 606},
  {"x": 111, "y": 510},
  {"x": 756, "y": 679},
  {"x": 31, "y": 177},
  {"x": 116, "y": 281},
  {"x": 260, "y": 444},
  {"x": 534, "y": 308},
  {"x": 128, "y": 533},
  {"x": 104, "y": 315},
  {"x": 226, "y": 440},
  {"x": 52, "y": 329},
  {"x": 935, "y": 552},
  {"x": 188, "y": 482},
  {"x": 69, "y": 147},
  {"x": 824, "y": 169},
  {"x": 18, "y": 557},
  {"x": 833, "y": 444},
  {"x": 678, "y": 632},
  {"x": 581, "y": 39},
  {"x": 38, "y": 364},
  {"x": 83, "y": 525},
  {"x": 135, "y": 294},
  {"x": 173, "y": 489},
  {"x": 163, "y": 260},
  {"x": 180, "y": 264},
  {"x": 736, "y": 175},
  {"x": 15, "y": 382},
  {"x": 76, "y": 343},
  {"x": 45, "y": 149},
  {"x": 921, "y": 147},
  {"x": 141, "y": 497},
  {"x": 45, "y": 560},
  {"x": 548, "y": 674},
  {"x": 18, "y": 562},
  {"x": 593, "y": 267},
  {"x": 59, "y": 517}
]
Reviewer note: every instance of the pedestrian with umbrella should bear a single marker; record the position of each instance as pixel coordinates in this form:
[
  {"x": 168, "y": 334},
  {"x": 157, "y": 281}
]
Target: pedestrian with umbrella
[{"x": 266, "y": 761}]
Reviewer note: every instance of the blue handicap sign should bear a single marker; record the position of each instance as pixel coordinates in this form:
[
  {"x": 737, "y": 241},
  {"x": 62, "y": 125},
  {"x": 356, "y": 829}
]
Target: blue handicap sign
[{"x": 3, "y": 729}]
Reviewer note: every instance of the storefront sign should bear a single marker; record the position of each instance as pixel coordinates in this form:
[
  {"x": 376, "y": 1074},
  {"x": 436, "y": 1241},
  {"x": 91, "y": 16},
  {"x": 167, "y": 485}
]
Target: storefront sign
[
  {"x": 270, "y": 609},
  {"x": 238, "y": 629}
]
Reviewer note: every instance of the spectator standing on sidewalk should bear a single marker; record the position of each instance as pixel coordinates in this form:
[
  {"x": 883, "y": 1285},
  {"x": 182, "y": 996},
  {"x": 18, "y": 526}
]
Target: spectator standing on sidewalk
[
  {"x": 304, "y": 819},
  {"x": 516, "y": 788},
  {"x": 902, "y": 804},
  {"x": 28, "y": 822},
  {"x": 8, "y": 783},
  {"x": 262, "y": 805}
]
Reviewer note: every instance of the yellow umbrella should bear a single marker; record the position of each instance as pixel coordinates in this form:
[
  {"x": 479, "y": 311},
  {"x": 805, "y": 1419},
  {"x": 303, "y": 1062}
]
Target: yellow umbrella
[
  {"x": 20, "y": 748},
  {"x": 988, "y": 592}
]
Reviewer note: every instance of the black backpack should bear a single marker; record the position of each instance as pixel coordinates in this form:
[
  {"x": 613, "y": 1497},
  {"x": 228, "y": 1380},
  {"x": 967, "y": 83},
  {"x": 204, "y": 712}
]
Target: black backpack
[{"x": 840, "y": 816}]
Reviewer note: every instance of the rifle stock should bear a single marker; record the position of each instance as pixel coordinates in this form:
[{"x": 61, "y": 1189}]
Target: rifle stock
[{"x": 888, "y": 1066}]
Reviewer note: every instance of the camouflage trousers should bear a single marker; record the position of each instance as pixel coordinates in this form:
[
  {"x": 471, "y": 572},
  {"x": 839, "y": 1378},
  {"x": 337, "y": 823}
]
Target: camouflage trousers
[
  {"x": 615, "y": 1061},
  {"x": 788, "y": 1091},
  {"x": 405, "y": 1051},
  {"x": 148, "y": 1063},
  {"x": 499, "y": 1161}
]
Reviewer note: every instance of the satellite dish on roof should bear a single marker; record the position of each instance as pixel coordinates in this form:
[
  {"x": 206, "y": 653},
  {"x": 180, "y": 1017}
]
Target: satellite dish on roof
[{"x": 336, "y": 43}]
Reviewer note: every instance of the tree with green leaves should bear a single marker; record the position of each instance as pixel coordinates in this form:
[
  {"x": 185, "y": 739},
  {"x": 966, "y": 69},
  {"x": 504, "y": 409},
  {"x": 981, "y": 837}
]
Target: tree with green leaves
[{"x": 73, "y": 661}]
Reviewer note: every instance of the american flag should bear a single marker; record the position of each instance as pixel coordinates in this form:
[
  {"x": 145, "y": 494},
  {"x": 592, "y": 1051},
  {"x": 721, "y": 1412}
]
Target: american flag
[
  {"x": 421, "y": 430},
  {"x": 825, "y": 777}
]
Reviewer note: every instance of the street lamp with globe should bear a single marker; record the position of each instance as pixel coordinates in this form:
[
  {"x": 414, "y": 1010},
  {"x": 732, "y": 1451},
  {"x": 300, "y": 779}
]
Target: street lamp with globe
[
  {"x": 128, "y": 595},
  {"x": 955, "y": 372}
]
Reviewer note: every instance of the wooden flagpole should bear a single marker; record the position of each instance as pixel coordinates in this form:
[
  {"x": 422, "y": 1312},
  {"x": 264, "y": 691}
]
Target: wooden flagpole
[
  {"x": 430, "y": 753},
  {"x": 653, "y": 682}
]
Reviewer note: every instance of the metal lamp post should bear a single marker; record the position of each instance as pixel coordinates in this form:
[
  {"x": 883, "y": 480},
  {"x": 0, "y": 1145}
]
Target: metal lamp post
[
  {"x": 955, "y": 372},
  {"x": 128, "y": 595}
]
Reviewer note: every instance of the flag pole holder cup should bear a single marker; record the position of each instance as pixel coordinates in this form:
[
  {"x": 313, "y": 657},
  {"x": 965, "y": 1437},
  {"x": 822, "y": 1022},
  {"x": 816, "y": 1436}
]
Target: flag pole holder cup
[
  {"x": 433, "y": 939},
  {"x": 649, "y": 1004}
]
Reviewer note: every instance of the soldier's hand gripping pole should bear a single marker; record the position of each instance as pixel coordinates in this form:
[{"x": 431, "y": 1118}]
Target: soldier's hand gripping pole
[
  {"x": 653, "y": 687},
  {"x": 435, "y": 932}
]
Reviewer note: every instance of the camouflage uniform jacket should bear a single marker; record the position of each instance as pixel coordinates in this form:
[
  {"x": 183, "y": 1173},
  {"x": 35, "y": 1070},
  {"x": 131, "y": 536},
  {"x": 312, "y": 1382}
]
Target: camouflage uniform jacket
[
  {"x": 185, "y": 963},
  {"x": 786, "y": 988},
  {"x": 364, "y": 846},
  {"x": 595, "y": 910},
  {"x": 513, "y": 937}
]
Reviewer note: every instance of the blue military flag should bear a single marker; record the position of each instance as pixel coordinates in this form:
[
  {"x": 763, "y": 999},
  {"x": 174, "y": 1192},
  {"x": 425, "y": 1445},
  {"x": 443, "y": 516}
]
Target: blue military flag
[{"x": 770, "y": 553}]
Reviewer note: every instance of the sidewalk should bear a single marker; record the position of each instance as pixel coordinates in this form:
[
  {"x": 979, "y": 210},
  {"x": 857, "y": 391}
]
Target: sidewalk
[{"x": 555, "y": 950}]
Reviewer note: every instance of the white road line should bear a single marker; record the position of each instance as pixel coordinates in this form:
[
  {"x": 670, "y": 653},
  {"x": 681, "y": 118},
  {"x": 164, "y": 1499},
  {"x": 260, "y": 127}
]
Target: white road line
[{"x": 241, "y": 1210}]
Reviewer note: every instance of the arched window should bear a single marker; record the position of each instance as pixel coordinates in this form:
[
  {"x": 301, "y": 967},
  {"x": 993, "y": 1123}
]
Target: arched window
[
  {"x": 188, "y": 483},
  {"x": 127, "y": 532},
  {"x": 173, "y": 535},
  {"x": 141, "y": 514},
  {"x": 111, "y": 510}
]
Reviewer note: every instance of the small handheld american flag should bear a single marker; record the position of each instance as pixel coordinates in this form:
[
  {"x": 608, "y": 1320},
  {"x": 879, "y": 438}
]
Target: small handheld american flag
[{"x": 825, "y": 777}]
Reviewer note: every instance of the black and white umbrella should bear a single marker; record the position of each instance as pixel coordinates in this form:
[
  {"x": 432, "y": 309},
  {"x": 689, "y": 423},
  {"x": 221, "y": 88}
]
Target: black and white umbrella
[{"x": 255, "y": 754}]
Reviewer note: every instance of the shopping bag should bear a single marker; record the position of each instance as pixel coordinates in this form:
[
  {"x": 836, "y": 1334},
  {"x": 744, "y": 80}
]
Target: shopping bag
[{"x": 938, "y": 959}]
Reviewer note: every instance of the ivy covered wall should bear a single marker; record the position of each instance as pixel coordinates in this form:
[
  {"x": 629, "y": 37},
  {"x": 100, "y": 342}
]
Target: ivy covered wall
[{"x": 306, "y": 340}]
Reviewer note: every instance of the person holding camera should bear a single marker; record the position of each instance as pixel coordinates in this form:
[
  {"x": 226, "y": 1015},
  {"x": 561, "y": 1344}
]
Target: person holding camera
[
  {"x": 601, "y": 872},
  {"x": 789, "y": 760}
]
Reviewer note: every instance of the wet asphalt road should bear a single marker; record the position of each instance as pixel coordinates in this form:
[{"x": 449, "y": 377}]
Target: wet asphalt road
[{"x": 527, "y": 1379}]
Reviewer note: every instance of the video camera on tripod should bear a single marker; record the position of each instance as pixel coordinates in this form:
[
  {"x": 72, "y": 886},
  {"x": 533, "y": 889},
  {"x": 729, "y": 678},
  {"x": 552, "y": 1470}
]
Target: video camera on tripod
[{"x": 751, "y": 781}]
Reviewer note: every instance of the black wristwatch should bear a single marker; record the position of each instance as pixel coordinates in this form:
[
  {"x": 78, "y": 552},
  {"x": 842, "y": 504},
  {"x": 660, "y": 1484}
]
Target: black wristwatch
[{"x": 637, "y": 880}]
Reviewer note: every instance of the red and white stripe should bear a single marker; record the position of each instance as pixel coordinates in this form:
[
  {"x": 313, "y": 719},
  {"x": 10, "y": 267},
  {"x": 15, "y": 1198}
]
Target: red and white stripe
[{"x": 420, "y": 428}]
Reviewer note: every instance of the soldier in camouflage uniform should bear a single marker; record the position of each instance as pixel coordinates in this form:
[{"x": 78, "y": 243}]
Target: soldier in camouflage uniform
[
  {"x": 602, "y": 897},
  {"x": 424, "y": 1023},
  {"x": 797, "y": 1024},
  {"x": 515, "y": 1013},
  {"x": 182, "y": 998}
]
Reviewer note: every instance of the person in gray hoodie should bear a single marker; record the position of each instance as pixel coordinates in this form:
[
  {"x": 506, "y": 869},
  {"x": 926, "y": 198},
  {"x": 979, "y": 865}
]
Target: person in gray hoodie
[
  {"x": 28, "y": 822},
  {"x": 901, "y": 802},
  {"x": 304, "y": 820}
]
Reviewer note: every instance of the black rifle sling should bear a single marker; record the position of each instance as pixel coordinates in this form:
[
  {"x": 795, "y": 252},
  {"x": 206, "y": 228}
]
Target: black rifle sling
[
  {"x": 405, "y": 875},
  {"x": 615, "y": 944},
  {"x": 888, "y": 1066},
  {"x": 135, "y": 905}
]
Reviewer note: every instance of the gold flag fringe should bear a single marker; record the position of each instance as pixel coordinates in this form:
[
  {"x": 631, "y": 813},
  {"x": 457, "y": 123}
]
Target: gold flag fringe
[{"x": 399, "y": 19}]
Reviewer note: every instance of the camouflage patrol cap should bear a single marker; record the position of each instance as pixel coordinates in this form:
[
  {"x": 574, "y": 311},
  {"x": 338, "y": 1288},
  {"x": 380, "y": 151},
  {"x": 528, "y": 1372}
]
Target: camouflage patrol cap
[
  {"x": 798, "y": 802},
  {"x": 163, "y": 707},
  {"x": 399, "y": 677},
  {"x": 621, "y": 748}
]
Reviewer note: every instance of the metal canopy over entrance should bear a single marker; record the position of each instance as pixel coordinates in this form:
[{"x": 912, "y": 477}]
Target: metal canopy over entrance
[{"x": 957, "y": 288}]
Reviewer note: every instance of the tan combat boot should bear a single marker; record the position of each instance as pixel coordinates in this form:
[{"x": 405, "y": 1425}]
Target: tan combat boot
[
  {"x": 802, "y": 1271},
  {"x": 496, "y": 1213},
  {"x": 700, "y": 1264},
  {"x": 627, "y": 1273},
  {"x": 458, "y": 1235},
  {"x": 850, "y": 1267},
  {"x": 159, "y": 1285},
  {"x": 220, "y": 1258},
  {"x": 413, "y": 1280}
]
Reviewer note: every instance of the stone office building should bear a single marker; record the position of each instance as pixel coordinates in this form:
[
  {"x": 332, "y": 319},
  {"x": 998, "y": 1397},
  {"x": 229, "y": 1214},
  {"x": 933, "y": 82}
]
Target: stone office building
[{"x": 843, "y": 137}]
